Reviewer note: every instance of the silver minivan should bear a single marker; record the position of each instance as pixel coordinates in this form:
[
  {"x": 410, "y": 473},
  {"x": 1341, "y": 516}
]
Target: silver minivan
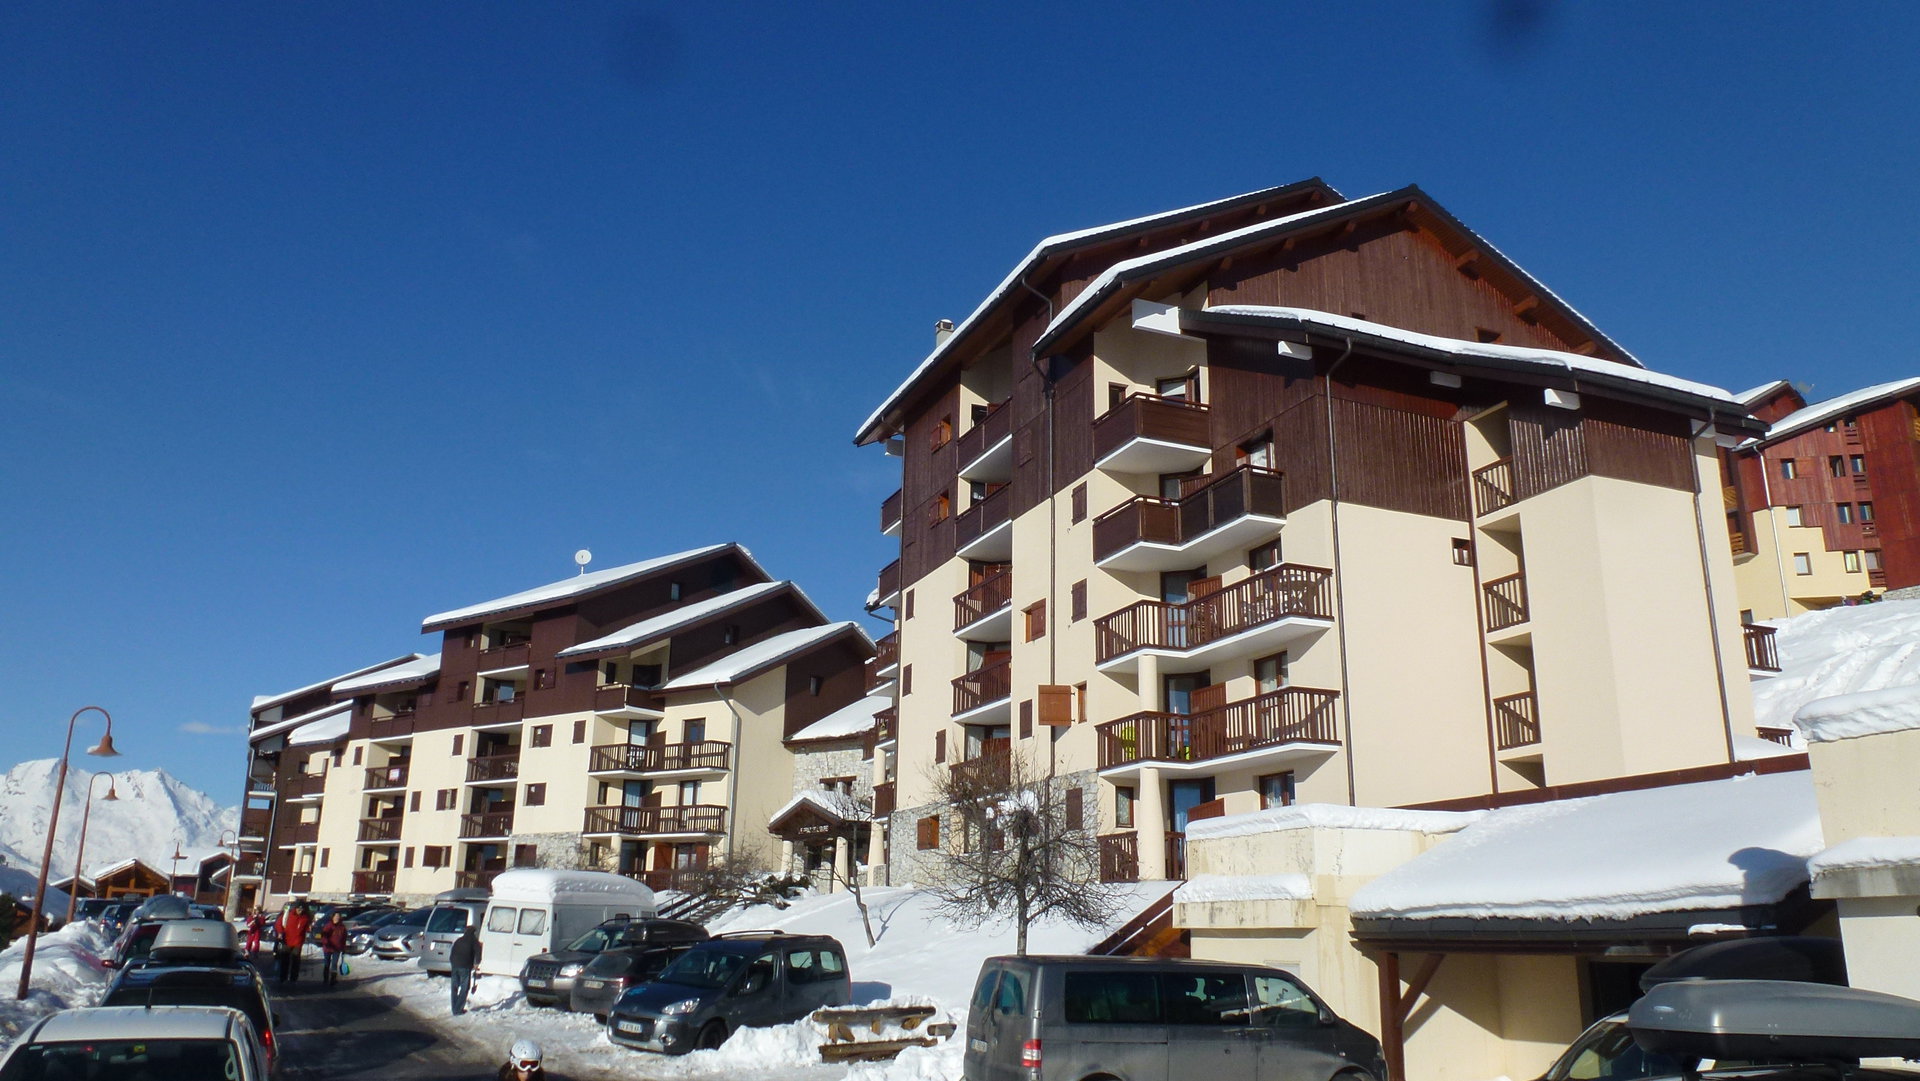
[
  {"x": 1153, "y": 1018},
  {"x": 452, "y": 911}
]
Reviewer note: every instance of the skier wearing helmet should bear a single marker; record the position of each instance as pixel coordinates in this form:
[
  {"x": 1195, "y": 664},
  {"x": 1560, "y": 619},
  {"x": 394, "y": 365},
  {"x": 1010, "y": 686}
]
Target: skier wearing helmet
[{"x": 523, "y": 1063}]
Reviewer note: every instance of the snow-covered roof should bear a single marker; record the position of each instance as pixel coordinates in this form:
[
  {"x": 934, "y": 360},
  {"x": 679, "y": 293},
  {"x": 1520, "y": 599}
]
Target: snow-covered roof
[
  {"x": 1041, "y": 251},
  {"x": 1712, "y": 845},
  {"x": 21, "y": 883},
  {"x": 666, "y": 623},
  {"x": 545, "y": 884},
  {"x": 1867, "y": 853},
  {"x": 1281, "y": 887},
  {"x": 341, "y": 709},
  {"x": 568, "y": 588},
  {"x": 268, "y": 701},
  {"x": 423, "y": 667},
  {"x": 812, "y": 799},
  {"x": 753, "y": 659},
  {"x": 323, "y": 730},
  {"x": 1862, "y": 713},
  {"x": 1821, "y": 412},
  {"x": 1545, "y": 361},
  {"x": 1330, "y": 816},
  {"x": 846, "y": 722},
  {"x": 1752, "y": 395}
]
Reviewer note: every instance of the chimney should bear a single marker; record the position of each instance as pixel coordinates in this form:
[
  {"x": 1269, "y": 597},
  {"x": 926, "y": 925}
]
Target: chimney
[{"x": 942, "y": 330}]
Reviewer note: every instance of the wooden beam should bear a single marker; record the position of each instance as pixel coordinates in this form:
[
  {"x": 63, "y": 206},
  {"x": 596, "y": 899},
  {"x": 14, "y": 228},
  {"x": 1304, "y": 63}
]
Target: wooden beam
[
  {"x": 1418, "y": 987},
  {"x": 1587, "y": 348},
  {"x": 1465, "y": 257},
  {"x": 1527, "y": 305},
  {"x": 1393, "y": 1037}
]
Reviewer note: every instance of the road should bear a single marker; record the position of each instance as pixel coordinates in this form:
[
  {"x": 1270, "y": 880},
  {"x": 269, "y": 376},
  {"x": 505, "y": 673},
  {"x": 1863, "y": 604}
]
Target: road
[{"x": 353, "y": 1031}]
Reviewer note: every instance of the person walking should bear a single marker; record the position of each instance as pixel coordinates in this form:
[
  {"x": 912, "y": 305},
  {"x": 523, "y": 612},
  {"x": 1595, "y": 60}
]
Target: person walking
[
  {"x": 256, "y": 927},
  {"x": 463, "y": 957},
  {"x": 294, "y": 923},
  {"x": 333, "y": 946},
  {"x": 523, "y": 1063}
]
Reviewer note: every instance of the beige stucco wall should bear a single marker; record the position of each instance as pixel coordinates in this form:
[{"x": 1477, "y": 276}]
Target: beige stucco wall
[
  {"x": 1866, "y": 786},
  {"x": 434, "y": 767},
  {"x": 1769, "y": 586}
]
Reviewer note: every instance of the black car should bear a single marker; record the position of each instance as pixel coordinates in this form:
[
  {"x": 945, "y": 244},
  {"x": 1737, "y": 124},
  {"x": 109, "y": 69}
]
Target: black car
[
  {"x": 547, "y": 979},
  {"x": 731, "y": 982},
  {"x": 617, "y": 971},
  {"x": 237, "y": 986}
]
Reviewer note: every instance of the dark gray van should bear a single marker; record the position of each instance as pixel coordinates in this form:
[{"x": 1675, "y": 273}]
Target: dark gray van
[
  {"x": 1153, "y": 1018},
  {"x": 731, "y": 982}
]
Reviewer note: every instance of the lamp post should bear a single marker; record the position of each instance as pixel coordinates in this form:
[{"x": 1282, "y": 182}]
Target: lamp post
[
  {"x": 173, "y": 869},
  {"x": 232, "y": 849},
  {"x": 79, "y": 857},
  {"x": 103, "y": 749}
]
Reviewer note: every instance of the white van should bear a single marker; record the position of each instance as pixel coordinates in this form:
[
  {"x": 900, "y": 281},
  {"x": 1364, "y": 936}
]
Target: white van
[
  {"x": 452, "y": 911},
  {"x": 534, "y": 911}
]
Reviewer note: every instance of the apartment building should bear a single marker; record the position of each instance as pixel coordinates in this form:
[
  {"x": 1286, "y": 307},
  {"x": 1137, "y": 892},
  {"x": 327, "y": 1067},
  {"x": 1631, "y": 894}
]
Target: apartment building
[
  {"x": 631, "y": 719},
  {"x": 1825, "y": 506},
  {"x": 1295, "y": 497}
]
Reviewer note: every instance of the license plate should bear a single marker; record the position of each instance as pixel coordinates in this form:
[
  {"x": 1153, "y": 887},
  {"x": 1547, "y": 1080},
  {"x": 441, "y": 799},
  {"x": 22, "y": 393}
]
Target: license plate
[
  {"x": 593, "y": 985},
  {"x": 978, "y": 1045},
  {"x": 536, "y": 983},
  {"x": 631, "y": 1026}
]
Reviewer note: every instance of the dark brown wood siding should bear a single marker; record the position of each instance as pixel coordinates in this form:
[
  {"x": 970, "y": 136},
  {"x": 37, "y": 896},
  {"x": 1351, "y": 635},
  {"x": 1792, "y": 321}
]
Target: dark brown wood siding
[
  {"x": 1891, "y": 442},
  {"x": 1399, "y": 460},
  {"x": 841, "y": 667},
  {"x": 925, "y": 474}
]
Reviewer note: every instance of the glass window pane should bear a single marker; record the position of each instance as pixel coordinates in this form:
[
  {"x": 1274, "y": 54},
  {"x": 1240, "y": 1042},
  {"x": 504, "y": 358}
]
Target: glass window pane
[
  {"x": 500, "y": 920},
  {"x": 1111, "y": 998},
  {"x": 533, "y": 921},
  {"x": 1204, "y": 999}
]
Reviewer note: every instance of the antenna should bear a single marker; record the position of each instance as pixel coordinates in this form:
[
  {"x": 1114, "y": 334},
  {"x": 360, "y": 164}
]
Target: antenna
[{"x": 582, "y": 558}]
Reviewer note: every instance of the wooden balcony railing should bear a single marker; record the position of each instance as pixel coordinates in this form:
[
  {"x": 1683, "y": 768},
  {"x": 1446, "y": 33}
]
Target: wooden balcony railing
[
  {"x": 1119, "y": 857},
  {"x": 890, "y": 512},
  {"x": 883, "y": 796},
  {"x": 987, "y": 771},
  {"x": 990, "y": 429},
  {"x": 1150, "y": 416},
  {"x": 988, "y": 683},
  {"x": 615, "y": 696},
  {"x": 299, "y": 883},
  {"x": 494, "y": 767},
  {"x": 1762, "y": 653},
  {"x": 1176, "y": 855},
  {"x": 391, "y": 775},
  {"x": 1286, "y": 590},
  {"x": 307, "y": 784},
  {"x": 499, "y": 712},
  {"x": 489, "y": 824},
  {"x": 373, "y": 882},
  {"x": 1515, "y": 723},
  {"x": 671, "y": 878},
  {"x": 392, "y": 726},
  {"x": 511, "y": 655},
  {"x": 1739, "y": 543},
  {"x": 707, "y": 754},
  {"x": 692, "y": 818},
  {"x": 986, "y": 597},
  {"x": 1288, "y": 715},
  {"x": 983, "y": 517},
  {"x": 1506, "y": 601},
  {"x": 1208, "y": 505},
  {"x": 889, "y": 580},
  {"x": 249, "y": 867},
  {"x": 380, "y": 829},
  {"x": 302, "y": 833},
  {"x": 887, "y": 651},
  {"x": 254, "y": 821},
  {"x": 886, "y": 724},
  {"x": 476, "y": 880},
  {"x": 1493, "y": 486}
]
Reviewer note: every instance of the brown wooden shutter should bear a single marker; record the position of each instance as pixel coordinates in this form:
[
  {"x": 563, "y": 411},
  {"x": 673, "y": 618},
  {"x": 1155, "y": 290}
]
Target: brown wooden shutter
[
  {"x": 939, "y": 746},
  {"x": 1076, "y": 811},
  {"x": 1077, "y": 597},
  {"x": 1026, "y": 719},
  {"x": 1056, "y": 704},
  {"x": 1207, "y": 698},
  {"x": 1079, "y": 503},
  {"x": 1202, "y": 587},
  {"x": 579, "y": 731}
]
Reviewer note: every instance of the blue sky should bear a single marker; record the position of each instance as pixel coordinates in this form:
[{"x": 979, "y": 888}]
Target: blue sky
[{"x": 317, "y": 318}]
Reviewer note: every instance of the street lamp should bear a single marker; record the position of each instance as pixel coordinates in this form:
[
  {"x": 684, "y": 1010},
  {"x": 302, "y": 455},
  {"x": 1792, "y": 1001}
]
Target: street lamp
[
  {"x": 103, "y": 749},
  {"x": 173, "y": 869},
  {"x": 79, "y": 858},
  {"x": 232, "y": 849}
]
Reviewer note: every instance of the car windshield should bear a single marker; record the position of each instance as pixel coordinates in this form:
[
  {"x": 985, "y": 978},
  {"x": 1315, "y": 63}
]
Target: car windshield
[
  {"x": 125, "y": 1060},
  {"x": 703, "y": 968},
  {"x": 1606, "y": 1052},
  {"x": 446, "y": 920},
  {"x": 596, "y": 940}
]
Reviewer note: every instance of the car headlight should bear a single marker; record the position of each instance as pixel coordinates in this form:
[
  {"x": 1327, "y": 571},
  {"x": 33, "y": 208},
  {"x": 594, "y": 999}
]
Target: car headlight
[
  {"x": 410, "y": 941},
  {"x": 567, "y": 972},
  {"x": 684, "y": 1006}
]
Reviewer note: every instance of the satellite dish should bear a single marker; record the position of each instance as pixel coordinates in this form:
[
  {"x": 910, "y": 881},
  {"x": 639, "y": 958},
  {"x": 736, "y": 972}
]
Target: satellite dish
[{"x": 582, "y": 558}]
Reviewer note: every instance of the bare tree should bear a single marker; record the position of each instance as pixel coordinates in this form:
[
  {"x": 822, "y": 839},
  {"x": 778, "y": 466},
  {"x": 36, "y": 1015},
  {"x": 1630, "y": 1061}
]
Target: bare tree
[
  {"x": 1015, "y": 855},
  {"x": 855, "y": 813}
]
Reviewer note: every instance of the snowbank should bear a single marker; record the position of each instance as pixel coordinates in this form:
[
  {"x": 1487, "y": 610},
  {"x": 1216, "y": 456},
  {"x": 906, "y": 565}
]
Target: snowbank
[
  {"x": 1841, "y": 651},
  {"x": 66, "y": 973},
  {"x": 1330, "y": 816},
  {"x": 1863, "y": 713},
  {"x": 1864, "y": 853},
  {"x": 1201, "y": 889}
]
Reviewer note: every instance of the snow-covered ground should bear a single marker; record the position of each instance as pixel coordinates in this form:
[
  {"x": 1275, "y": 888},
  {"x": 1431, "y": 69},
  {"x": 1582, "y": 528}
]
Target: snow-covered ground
[
  {"x": 66, "y": 973},
  {"x": 918, "y": 958},
  {"x": 1868, "y": 647}
]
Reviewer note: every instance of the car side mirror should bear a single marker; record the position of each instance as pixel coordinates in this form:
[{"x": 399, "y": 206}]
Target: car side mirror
[{"x": 1327, "y": 1018}]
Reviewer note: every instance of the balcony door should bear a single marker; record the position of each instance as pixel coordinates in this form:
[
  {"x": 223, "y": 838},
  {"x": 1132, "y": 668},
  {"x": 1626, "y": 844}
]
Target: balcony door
[
  {"x": 1182, "y": 695},
  {"x": 989, "y": 740},
  {"x": 635, "y": 793},
  {"x": 643, "y": 732}
]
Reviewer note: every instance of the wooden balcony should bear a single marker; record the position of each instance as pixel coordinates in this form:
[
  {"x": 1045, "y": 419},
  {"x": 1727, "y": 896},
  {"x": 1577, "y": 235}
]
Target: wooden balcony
[
  {"x": 391, "y": 775},
  {"x": 1220, "y": 624},
  {"x": 249, "y": 867},
  {"x": 888, "y": 591},
  {"x": 1147, "y": 433},
  {"x": 304, "y": 785},
  {"x": 886, "y": 725},
  {"x": 1214, "y": 514},
  {"x": 489, "y": 824},
  {"x": 483, "y": 769},
  {"x": 1782, "y": 736},
  {"x": 983, "y": 686},
  {"x": 890, "y": 514},
  {"x": 302, "y": 833},
  {"x": 299, "y": 883},
  {"x": 254, "y": 822},
  {"x": 1176, "y": 856},
  {"x": 987, "y": 771},
  {"x": 476, "y": 880},
  {"x": 883, "y": 796},
  {"x": 705, "y": 755},
  {"x": 672, "y": 878},
  {"x": 985, "y": 530},
  {"x": 1739, "y": 543},
  {"x": 619, "y": 698},
  {"x": 497, "y": 712},
  {"x": 1119, "y": 857},
  {"x": 503, "y": 658},
  {"x": 1762, "y": 654},
  {"x": 1284, "y": 718},
  {"x": 1493, "y": 487},
  {"x": 384, "y": 829},
  {"x": 644, "y": 821},
  {"x": 886, "y": 654},
  {"x": 393, "y": 726},
  {"x": 986, "y": 449},
  {"x": 1515, "y": 721},
  {"x": 990, "y": 596},
  {"x": 373, "y": 882},
  {"x": 1506, "y": 602}
]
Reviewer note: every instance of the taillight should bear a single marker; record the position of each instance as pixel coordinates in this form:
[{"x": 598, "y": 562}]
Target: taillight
[
  {"x": 1030, "y": 1054},
  {"x": 266, "y": 1040}
]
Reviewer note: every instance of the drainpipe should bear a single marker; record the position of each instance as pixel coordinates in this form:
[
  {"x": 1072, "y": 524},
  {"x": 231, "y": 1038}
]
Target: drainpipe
[
  {"x": 1053, "y": 525},
  {"x": 1773, "y": 528},
  {"x": 733, "y": 775},
  {"x": 1339, "y": 577},
  {"x": 1706, "y": 579}
]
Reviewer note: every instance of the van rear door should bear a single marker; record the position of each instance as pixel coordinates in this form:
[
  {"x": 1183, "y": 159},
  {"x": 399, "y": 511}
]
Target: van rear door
[{"x": 1004, "y": 1025}]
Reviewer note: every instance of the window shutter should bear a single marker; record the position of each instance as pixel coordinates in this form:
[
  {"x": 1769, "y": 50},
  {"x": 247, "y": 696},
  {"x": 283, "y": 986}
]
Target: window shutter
[
  {"x": 939, "y": 746},
  {"x": 1075, "y": 809},
  {"x": 1078, "y": 598},
  {"x": 1026, "y": 719},
  {"x": 1079, "y": 503}
]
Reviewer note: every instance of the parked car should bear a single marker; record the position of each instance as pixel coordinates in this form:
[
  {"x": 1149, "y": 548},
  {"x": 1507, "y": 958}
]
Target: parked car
[
  {"x": 548, "y": 979},
  {"x": 119, "y": 915},
  {"x": 731, "y": 982},
  {"x": 93, "y": 908},
  {"x": 179, "y": 1043},
  {"x": 616, "y": 971},
  {"x": 402, "y": 938},
  {"x": 194, "y": 942},
  {"x": 452, "y": 911},
  {"x": 132, "y": 945},
  {"x": 535, "y": 911},
  {"x": 1147, "y": 1018},
  {"x": 1805, "y": 1029},
  {"x": 360, "y": 931},
  {"x": 235, "y": 985}
]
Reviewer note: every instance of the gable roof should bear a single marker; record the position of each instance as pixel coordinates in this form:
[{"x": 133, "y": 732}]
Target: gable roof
[
  {"x": 1752, "y": 395},
  {"x": 268, "y": 701},
  {"x": 1057, "y": 247},
  {"x": 752, "y": 660},
  {"x": 649, "y": 630},
  {"x": 570, "y": 589},
  {"x": 847, "y": 722},
  {"x": 418, "y": 670},
  {"x": 344, "y": 710},
  {"x": 1820, "y": 412}
]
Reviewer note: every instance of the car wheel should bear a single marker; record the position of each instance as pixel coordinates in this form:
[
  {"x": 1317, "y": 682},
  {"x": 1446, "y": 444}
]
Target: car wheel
[
  {"x": 712, "y": 1036},
  {"x": 1353, "y": 1075}
]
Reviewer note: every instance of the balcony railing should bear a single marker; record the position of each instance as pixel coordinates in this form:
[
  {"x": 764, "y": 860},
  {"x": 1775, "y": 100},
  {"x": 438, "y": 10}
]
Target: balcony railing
[
  {"x": 692, "y": 818},
  {"x": 989, "y": 770},
  {"x": 883, "y": 796},
  {"x": 1762, "y": 653},
  {"x": 1288, "y": 715},
  {"x": 988, "y": 683},
  {"x": 887, "y": 651},
  {"x": 254, "y": 822},
  {"x": 1217, "y": 501},
  {"x": 300, "y": 883},
  {"x": 1286, "y": 590},
  {"x": 618, "y": 696},
  {"x": 984, "y": 516},
  {"x": 513, "y": 655},
  {"x": 391, "y": 775},
  {"x": 499, "y": 712},
  {"x": 1506, "y": 602},
  {"x": 391, "y": 727},
  {"x": 249, "y": 867},
  {"x": 1119, "y": 857},
  {"x": 303, "y": 833},
  {"x": 308, "y": 784},
  {"x": 1739, "y": 543},
  {"x": 1493, "y": 486},
  {"x": 476, "y": 880},
  {"x": 1515, "y": 723},
  {"x": 494, "y": 767},
  {"x": 989, "y": 430},
  {"x": 707, "y": 754},
  {"x": 890, "y": 513},
  {"x": 986, "y": 597},
  {"x": 1176, "y": 855},
  {"x": 1151, "y": 417},
  {"x": 1782, "y": 736},
  {"x": 672, "y": 878},
  {"x": 373, "y": 882},
  {"x": 889, "y": 587},
  {"x": 886, "y": 724},
  {"x": 385, "y": 828},
  {"x": 489, "y": 824}
]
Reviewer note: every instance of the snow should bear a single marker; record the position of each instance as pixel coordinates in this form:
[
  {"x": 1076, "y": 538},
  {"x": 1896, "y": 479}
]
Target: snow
[
  {"x": 568, "y": 588},
  {"x": 1718, "y": 844},
  {"x": 541, "y": 884},
  {"x": 1752, "y": 395},
  {"x": 1749, "y": 748},
  {"x": 1330, "y": 816},
  {"x": 325, "y": 730},
  {"x": 814, "y": 798},
  {"x": 21, "y": 882},
  {"x": 67, "y": 973},
  {"x": 742, "y": 663},
  {"x": 847, "y": 721},
  {"x": 1201, "y": 889},
  {"x": 421, "y": 667},
  {"x": 152, "y": 813},
  {"x": 309, "y": 717},
  {"x": 1863, "y": 853},
  {"x": 1821, "y": 412},
  {"x": 666, "y": 623},
  {"x": 1841, "y": 651},
  {"x": 1862, "y": 713},
  {"x": 267, "y": 701}
]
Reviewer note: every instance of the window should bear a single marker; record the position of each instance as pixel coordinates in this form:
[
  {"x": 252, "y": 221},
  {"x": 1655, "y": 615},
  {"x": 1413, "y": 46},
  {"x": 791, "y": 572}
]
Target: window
[
  {"x": 537, "y": 794},
  {"x": 406, "y": 857},
  {"x": 413, "y": 802},
  {"x": 940, "y": 509},
  {"x": 1872, "y": 558},
  {"x": 533, "y": 921},
  {"x": 1111, "y": 998},
  {"x": 1787, "y": 470},
  {"x": 1282, "y": 1003},
  {"x": 1123, "y": 806},
  {"x": 1080, "y": 701},
  {"x": 1795, "y": 516},
  {"x": 460, "y": 694},
  {"x": 1802, "y": 563},
  {"x": 1076, "y": 809},
  {"x": 1836, "y": 466},
  {"x": 579, "y": 731},
  {"x": 813, "y": 685},
  {"x": 542, "y": 679},
  {"x": 1276, "y": 790},
  {"x": 356, "y": 755},
  {"x": 1746, "y": 617},
  {"x": 500, "y": 919},
  {"x": 1866, "y": 511},
  {"x": 543, "y": 735},
  {"x": 459, "y": 739},
  {"x": 525, "y": 855},
  {"x": 1181, "y": 388},
  {"x": 689, "y": 793},
  {"x": 927, "y": 833},
  {"x": 1843, "y": 512},
  {"x": 1255, "y": 452},
  {"x": 1852, "y": 561},
  {"x": 814, "y": 966},
  {"x": 1462, "y": 552},
  {"x": 942, "y": 432},
  {"x": 1036, "y": 620},
  {"x": 1270, "y": 673},
  {"x": 1859, "y": 463},
  {"x": 1264, "y": 557},
  {"x": 1077, "y": 601},
  {"x": 432, "y": 855},
  {"x": 323, "y": 856},
  {"x": 694, "y": 729},
  {"x": 730, "y": 634},
  {"x": 906, "y": 679},
  {"x": 673, "y": 591},
  {"x": 1079, "y": 503}
]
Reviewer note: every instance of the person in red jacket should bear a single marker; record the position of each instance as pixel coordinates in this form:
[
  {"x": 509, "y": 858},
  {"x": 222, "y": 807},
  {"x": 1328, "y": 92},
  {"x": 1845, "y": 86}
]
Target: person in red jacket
[
  {"x": 256, "y": 929},
  {"x": 294, "y": 922},
  {"x": 333, "y": 946}
]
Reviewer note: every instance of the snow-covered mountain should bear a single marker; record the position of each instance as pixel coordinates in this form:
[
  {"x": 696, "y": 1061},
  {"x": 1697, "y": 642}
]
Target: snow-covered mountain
[{"x": 153, "y": 813}]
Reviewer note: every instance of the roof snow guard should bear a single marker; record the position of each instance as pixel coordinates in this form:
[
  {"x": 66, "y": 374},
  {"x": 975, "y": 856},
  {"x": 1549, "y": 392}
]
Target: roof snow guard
[{"x": 570, "y": 589}]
